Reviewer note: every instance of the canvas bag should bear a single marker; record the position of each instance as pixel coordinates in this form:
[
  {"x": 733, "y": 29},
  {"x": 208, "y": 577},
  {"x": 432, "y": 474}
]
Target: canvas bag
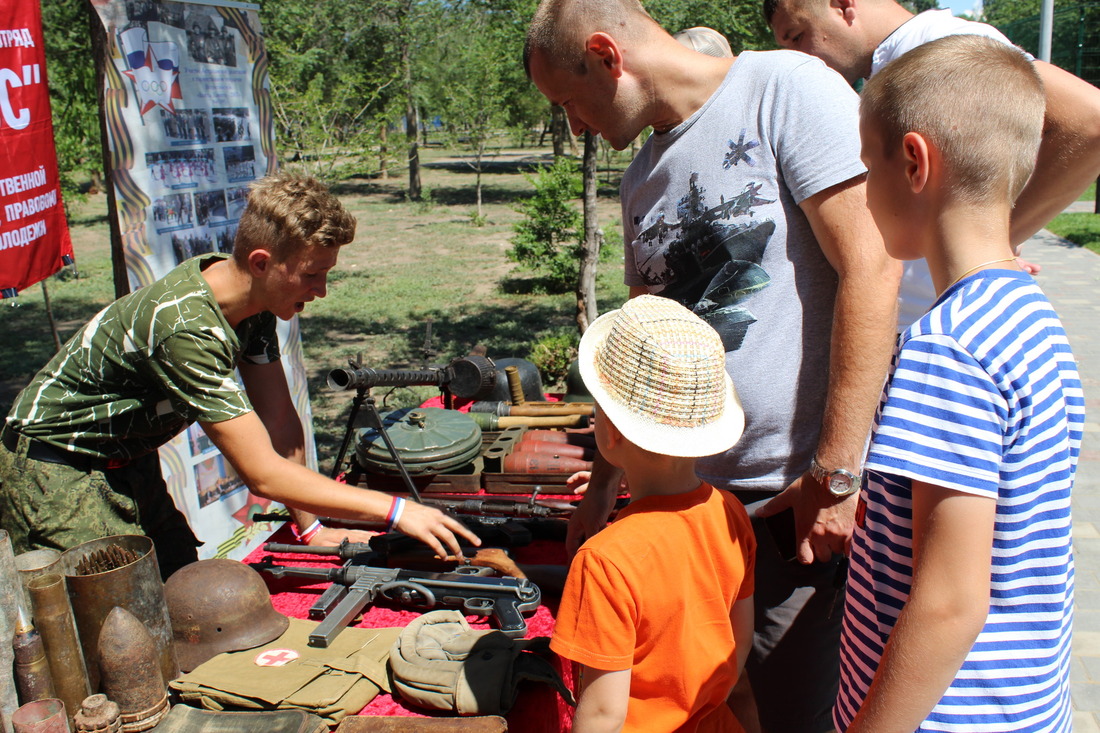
[
  {"x": 439, "y": 662},
  {"x": 331, "y": 682}
]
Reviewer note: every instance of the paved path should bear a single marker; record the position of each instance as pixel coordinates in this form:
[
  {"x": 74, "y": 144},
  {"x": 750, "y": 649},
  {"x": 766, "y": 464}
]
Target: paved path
[{"x": 1071, "y": 279}]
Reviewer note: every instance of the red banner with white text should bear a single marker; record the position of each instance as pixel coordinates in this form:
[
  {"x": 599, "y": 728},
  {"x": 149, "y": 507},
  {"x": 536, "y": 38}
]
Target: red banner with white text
[{"x": 34, "y": 237}]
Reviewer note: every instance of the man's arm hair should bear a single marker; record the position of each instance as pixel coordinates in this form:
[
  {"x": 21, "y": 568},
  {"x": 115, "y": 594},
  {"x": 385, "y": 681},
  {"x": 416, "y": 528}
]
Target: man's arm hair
[
  {"x": 946, "y": 610},
  {"x": 1069, "y": 157},
  {"x": 864, "y": 330}
]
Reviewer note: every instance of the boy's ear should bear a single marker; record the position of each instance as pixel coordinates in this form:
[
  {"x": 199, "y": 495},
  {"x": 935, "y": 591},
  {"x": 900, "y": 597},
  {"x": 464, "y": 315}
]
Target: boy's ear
[
  {"x": 259, "y": 260},
  {"x": 918, "y": 160},
  {"x": 607, "y": 51},
  {"x": 614, "y": 437}
]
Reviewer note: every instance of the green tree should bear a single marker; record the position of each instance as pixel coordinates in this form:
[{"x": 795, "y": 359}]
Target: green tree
[
  {"x": 469, "y": 90},
  {"x": 333, "y": 80},
  {"x": 741, "y": 21},
  {"x": 65, "y": 24},
  {"x": 1003, "y": 12}
]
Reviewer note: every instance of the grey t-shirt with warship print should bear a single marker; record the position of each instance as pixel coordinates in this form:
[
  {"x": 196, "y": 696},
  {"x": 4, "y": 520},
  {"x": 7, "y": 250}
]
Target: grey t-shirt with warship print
[
  {"x": 711, "y": 219},
  {"x": 144, "y": 368}
]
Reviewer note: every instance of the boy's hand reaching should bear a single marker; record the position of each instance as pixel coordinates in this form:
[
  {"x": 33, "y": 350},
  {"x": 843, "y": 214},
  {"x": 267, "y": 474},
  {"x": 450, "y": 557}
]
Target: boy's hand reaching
[
  {"x": 823, "y": 524},
  {"x": 435, "y": 529}
]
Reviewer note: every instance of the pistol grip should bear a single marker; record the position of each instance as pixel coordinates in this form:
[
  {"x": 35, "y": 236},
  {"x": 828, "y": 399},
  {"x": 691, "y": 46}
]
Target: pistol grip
[{"x": 509, "y": 619}]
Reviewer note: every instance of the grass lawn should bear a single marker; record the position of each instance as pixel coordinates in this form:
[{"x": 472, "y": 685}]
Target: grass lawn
[
  {"x": 1082, "y": 228},
  {"x": 411, "y": 263}
]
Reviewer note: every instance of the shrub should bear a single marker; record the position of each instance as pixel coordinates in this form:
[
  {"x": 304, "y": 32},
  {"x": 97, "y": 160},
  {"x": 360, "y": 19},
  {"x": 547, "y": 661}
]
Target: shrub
[
  {"x": 552, "y": 354},
  {"x": 547, "y": 239}
]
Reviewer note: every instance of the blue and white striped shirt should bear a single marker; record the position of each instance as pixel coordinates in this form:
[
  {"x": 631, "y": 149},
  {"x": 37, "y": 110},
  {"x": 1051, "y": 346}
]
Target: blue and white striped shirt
[{"x": 983, "y": 398}]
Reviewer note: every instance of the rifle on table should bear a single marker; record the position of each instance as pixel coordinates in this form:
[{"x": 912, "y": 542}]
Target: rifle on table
[{"x": 468, "y": 588}]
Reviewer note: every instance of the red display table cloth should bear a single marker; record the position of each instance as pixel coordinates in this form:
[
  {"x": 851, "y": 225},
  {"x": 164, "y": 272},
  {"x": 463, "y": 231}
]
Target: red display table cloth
[{"x": 539, "y": 709}]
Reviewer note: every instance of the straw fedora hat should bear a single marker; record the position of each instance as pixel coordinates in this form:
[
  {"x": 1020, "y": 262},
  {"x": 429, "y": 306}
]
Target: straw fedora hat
[{"x": 658, "y": 372}]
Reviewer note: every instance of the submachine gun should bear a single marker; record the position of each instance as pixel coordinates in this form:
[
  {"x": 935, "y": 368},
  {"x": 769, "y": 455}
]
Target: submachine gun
[{"x": 468, "y": 588}]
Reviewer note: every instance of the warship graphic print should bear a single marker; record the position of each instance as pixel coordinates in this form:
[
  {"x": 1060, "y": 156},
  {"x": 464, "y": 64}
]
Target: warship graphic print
[{"x": 709, "y": 259}]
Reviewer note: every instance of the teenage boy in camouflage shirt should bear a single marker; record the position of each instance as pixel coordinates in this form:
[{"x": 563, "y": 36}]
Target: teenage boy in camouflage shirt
[{"x": 78, "y": 458}]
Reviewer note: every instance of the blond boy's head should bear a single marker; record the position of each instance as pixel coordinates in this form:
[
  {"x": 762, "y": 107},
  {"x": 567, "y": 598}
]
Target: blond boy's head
[
  {"x": 286, "y": 212},
  {"x": 979, "y": 102}
]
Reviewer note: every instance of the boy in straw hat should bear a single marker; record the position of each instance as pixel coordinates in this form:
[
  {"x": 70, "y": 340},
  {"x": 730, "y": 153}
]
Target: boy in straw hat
[{"x": 657, "y": 608}]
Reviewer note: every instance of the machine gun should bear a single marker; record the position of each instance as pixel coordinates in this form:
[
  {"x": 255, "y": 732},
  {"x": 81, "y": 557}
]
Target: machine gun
[{"x": 467, "y": 588}]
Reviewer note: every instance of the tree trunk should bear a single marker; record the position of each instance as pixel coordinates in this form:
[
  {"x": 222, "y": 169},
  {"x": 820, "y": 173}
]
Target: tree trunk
[
  {"x": 383, "y": 151},
  {"x": 559, "y": 130},
  {"x": 593, "y": 240},
  {"x": 411, "y": 131}
]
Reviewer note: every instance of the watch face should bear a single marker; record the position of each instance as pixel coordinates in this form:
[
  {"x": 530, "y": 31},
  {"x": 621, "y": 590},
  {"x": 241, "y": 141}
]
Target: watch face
[{"x": 840, "y": 485}]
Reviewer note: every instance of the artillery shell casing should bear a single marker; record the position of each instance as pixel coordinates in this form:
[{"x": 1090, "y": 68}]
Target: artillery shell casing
[
  {"x": 41, "y": 716},
  {"x": 586, "y": 440},
  {"x": 565, "y": 450},
  {"x": 492, "y": 422},
  {"x": 32, "y": 670},
  {"x": 515, "y": 385},
  {"x": 135, "y": 586},
  {"x": 521, "y": 462},
  {"x": 54, "y": 619},
  {"x": 33, "y": 563},
  {"x": 129, "y": 669},
  {"x": 10, "y": 592}
]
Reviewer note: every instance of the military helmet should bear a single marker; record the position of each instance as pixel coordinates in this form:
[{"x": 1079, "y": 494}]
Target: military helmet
[{"x": 219, "y": 606}]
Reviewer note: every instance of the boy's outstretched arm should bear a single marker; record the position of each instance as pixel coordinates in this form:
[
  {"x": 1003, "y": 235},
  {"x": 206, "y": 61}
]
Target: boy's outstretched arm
[
  {"x": 1069, "y": 157},
  {"x": 269, "y": 393},
  {"x": 602, "y": 700},
  {"x": 946, "y": 609}
]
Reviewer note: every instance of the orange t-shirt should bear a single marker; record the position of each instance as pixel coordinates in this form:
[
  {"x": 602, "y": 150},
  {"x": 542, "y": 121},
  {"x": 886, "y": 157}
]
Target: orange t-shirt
[{"x": 652, "y": 593}]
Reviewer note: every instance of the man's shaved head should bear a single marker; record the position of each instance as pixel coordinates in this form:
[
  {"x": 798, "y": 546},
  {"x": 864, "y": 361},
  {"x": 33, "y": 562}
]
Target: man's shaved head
[{"x": 560, "y": 27}]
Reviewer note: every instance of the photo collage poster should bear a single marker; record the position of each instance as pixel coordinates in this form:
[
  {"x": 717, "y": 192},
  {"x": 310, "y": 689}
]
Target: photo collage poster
[{"x": 189, "y": 123}]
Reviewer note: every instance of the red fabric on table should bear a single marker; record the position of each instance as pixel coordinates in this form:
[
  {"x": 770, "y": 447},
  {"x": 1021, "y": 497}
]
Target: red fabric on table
[{"x": 539, "y": 709}]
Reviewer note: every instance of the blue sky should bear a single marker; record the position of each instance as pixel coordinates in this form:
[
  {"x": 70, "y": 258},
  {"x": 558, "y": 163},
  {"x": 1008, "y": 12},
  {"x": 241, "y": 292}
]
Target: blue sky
[{"x": 958, "y": 7}]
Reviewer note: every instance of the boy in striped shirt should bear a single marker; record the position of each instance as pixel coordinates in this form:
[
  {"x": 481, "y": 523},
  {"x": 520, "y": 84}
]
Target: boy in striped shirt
[{"x": 960, "y": 592}]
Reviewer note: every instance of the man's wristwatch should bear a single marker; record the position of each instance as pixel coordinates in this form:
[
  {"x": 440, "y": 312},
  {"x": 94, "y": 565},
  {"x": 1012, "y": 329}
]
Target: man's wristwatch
[{"x": 839, "y": 482}]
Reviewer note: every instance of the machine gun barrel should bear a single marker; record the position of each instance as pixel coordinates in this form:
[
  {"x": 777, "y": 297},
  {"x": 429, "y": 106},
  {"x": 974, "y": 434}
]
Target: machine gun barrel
[
  {"x": 467, "y": 588},
  {"x": 365, "y": 377},
  {"x": 468, "y": 377}
]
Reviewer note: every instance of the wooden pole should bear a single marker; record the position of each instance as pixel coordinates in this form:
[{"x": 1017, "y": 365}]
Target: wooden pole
[
  {"x": 50, "y": 319},
  {"x": 99, "y": 52}
]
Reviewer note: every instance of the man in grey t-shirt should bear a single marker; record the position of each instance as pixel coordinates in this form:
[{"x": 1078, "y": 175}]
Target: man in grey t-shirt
[{"x": 747, "y": 205}]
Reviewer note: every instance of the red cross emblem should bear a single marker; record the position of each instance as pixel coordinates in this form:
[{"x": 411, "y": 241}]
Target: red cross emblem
[{"x": 276, "y": 657}]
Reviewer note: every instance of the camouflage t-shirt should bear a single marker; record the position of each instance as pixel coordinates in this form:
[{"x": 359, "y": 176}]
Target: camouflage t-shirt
[{"x": 144, "y": 368}]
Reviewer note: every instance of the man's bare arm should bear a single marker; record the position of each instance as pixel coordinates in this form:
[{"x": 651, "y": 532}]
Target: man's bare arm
[
  {"x": 864, "y": 331},
  {"x": 1069, "y": 157},
  {"x": 269, "y": 393}
]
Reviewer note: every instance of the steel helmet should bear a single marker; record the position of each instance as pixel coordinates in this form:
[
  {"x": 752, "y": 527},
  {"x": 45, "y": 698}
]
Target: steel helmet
[{"x": 219, "y": 606}]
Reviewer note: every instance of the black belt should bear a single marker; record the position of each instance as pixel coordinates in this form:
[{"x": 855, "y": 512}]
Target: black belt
[{"x": 39, "y": 451}]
